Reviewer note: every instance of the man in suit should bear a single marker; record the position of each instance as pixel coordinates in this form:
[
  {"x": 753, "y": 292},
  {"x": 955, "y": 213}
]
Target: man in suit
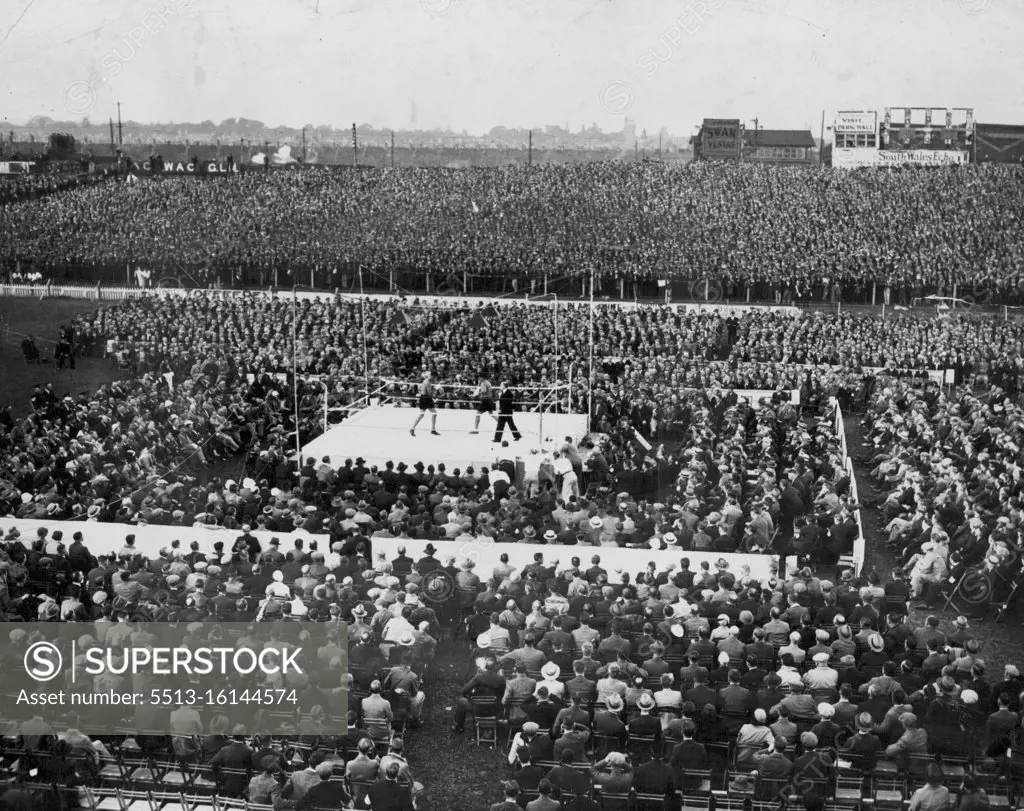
[
  {"x": 701, "y": 694},
  {"x": 773, "y": 763},
  {"x": 735, "y": 701},
  {"x": 529, "y": 775},
  {"x": 486, "y": 683},
  {"x": 571, "y": 716},
  {"x": 1000, "y": 726},
  {"x": 655, "y": 777},
  {"x": 646, "y": 724},
  {"x": 544, "y": 801},
  {"x": 863, "y": 746},
  {"x": 390, "y": 795},
  {"x": 813, "y": 767},
  {"x": 566, "y": 779},
  {"x": 506, "y": 410},
  {"x": 236, "y": 755},
  {"x": 511, "y": 796},
  {"x": 608, "y": 722},
  {"x": 913, "y": 741},
  {"x": 573, "y": 740},
  {"x": 327, "y": 793},
  {"x": 688, "y": 755}
]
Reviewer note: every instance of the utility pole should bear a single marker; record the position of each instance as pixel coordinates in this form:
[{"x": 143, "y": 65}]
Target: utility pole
[
  {"x": 636, "y": 150},
  {"x": 821, "y": 141},
  {"x": 120, "y": 140},
  {"x": 659, "y": 147},
  {"x": 392, "y": 149},
  {"x": 355, "y": 146},
  {"x": 529, "y": 150},
  {"x": 303, "y": 144}
]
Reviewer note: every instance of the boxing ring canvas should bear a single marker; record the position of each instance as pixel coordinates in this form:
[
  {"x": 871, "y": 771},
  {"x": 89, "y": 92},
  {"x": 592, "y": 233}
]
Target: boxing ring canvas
[{"x": 380, "y": 433}]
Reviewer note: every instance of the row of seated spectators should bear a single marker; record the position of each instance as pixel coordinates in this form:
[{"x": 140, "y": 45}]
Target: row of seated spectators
[
  {"x": 777, "y": 231},
  {"x": 626, "y": 680}
]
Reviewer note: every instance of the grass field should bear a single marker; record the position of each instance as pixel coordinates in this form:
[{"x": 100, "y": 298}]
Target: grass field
[{"x": 20, "y": 317}]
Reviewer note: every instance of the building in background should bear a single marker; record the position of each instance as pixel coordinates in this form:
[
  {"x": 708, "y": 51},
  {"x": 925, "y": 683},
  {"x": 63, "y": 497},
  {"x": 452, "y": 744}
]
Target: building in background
[{"x": 779, "y": 146}]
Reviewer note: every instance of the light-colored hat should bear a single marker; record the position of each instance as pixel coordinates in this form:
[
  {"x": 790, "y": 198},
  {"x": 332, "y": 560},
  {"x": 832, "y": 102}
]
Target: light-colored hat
[
  {"x": 551, "y": 671},
  {"x": 483, "y": 641},
  {"x": 821, "y": 658},
  {"x": 614, "y": 702},
  {"x": 876, "y": 643}
]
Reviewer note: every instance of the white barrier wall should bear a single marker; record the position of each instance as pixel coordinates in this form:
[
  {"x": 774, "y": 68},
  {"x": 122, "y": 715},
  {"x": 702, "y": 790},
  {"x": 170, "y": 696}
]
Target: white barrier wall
[
  {"x": 107, "y": 538},
  {"x": 119, "y": 293}
]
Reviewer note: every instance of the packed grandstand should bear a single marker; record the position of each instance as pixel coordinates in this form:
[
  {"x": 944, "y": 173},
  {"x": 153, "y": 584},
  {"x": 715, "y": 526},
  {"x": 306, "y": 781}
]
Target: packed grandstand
[{"x": 711, "y": 638}]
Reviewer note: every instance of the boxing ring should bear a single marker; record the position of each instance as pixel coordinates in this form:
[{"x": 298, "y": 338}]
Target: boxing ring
[{"x": 377, "y": 428}]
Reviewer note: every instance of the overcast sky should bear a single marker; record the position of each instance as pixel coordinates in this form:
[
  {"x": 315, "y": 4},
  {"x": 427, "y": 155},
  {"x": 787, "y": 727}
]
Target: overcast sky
[{"x": 474, "y": 64}]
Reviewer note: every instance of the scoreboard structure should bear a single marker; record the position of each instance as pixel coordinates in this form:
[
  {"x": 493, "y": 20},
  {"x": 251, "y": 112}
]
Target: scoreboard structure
[{"x": 926, "y": 135}]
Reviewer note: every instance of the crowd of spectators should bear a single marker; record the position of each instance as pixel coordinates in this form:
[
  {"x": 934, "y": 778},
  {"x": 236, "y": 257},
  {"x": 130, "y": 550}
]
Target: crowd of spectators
[
  {"x": 777, "y": 233},
  {"x": 599, "y": 683},
  {"x": 209, "y": 382},
  {"x": 949, "y": 466}
]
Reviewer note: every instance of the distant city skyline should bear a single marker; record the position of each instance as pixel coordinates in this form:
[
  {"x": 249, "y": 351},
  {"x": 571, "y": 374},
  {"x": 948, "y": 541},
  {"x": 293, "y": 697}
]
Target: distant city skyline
[{"x": 471, "y": 66}]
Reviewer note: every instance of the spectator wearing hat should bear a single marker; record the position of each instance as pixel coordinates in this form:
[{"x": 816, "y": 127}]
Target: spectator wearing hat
[
  {"x": 646, "y": 724},
  {"x": 863, "y": 746},
  {"x": 913, "y": 741},
  {"x": 815, "y": 768},
  {"x": 943, "y": 718},
  {"x": 266, "y": 786}
]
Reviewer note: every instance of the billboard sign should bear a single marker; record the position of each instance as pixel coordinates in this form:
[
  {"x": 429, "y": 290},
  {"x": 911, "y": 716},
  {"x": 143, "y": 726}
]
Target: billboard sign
[
  {"x": 721, "y": 138},
  {"x": 850, "y": 121},
  {"x": 999, "y": 143},
  {"x": 854, "y": 158},
  {"x": 16, "y": 167}
]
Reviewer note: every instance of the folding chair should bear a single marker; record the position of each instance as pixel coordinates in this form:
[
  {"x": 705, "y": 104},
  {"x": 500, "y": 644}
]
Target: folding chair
[
  {"x": 694, "y": 802},
  {"x": 613, "y": 801},
  {"x": 485, "y": 720},
  {"x": 650, "y": 802}
]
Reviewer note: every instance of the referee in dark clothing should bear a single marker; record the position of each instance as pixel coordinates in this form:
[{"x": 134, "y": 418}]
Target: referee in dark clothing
[{"x": 506, "y": 408}]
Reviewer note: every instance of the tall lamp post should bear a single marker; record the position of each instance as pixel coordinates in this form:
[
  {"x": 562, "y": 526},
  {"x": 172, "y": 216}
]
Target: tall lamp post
[{"x": 295, "y": 372}]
